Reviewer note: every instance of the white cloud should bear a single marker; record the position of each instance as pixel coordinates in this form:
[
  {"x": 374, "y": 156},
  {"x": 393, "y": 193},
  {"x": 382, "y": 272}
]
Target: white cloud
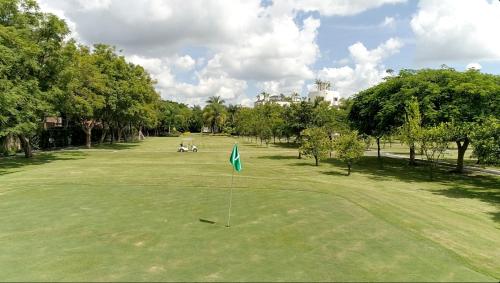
[
  {"x": 388, "y": 22},
  {"x": 283, "y": 51},
  {"x": 236, "y": 41},
  {"x": 185, "y": 62},
  {"x": 367, "y": 71},
  {"x": 457, "y": 30},
  {"x": 473, "y": 65},
  {"x": 170, "y": 88},
  {"x": 330, "y": 7}
]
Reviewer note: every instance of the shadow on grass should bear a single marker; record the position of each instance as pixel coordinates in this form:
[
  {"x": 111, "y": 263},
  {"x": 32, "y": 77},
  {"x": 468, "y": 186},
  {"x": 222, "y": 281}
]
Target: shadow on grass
[
  {"x": 9, "y": 165},
  {"x": 335, "y": 173},
  {"x": 485, "y": 188},
  {"x": 304, "y": 164}
]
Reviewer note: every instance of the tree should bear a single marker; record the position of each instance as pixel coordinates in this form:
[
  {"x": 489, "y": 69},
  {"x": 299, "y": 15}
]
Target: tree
[
  {"x": 434, "y": 143},
  {"x": 84, "y": 87},
  {"x": 196, "y": 119},
  {"x": 30, "y": 52},
  {"x": 486, "y": 140},
  {"x": 375, "y": 113},
  {"x": 215, "y": 100},
  {"x": 410, "y": 131},
  {"x": 175, "y": 116},
  {"x": 349, "y": 148},
  {"x": 299, "y": 118},
  {"x": 315, "y": 143},
  {"x": 215, "y": 115},
  {"x": 444, "y": 96}
]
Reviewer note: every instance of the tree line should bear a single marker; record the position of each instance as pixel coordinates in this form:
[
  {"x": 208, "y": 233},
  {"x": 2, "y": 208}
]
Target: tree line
[
  {"x": 430, "y": 108},
  {"x": 425, "y": 109},
  {"x": 44, "y": 74}
]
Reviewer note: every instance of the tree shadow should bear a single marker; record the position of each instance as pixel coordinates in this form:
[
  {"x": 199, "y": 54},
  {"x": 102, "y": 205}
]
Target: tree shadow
[
  {"x": 10, "y": 165},
  {"x": 482, "y": 187},
  {"x": 335, "y": 173},
  {"x": 304, "y": 164}
]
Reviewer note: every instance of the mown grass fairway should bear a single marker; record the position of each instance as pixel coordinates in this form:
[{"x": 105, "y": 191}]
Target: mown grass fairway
[{"x": 131, "y": 212}]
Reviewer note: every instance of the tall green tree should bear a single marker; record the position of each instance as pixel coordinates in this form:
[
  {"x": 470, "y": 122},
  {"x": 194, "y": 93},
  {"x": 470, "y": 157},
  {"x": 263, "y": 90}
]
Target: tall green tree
[
  {"x": 215, "y": 114},
  {"x": 444, "y": 96},
  {"x": 30, "y": 50},
  {"x": 84, "y": 88}
]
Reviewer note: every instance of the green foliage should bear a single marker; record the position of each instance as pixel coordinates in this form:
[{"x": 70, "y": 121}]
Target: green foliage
[
  {"x": 410, "y": 131},
  {"x": 349, "y": 148},
  {"x": 215, "y": 114},
  {"x": 443, "y": 96},
  {"x": 30, "y": 45},
  {"x": 486, "y": 140},
  {"x": 316, "y": 143},
  {"x": 434, "y": 142},
  {"x": 196, "y": 119}
]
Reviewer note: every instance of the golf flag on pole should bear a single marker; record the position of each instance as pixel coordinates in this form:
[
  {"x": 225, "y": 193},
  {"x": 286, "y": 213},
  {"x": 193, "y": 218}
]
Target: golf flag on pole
[{"x": 235, "y": 159}]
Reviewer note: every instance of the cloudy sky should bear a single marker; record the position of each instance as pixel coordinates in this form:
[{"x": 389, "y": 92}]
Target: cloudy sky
[{"x": 238, "y": 48}]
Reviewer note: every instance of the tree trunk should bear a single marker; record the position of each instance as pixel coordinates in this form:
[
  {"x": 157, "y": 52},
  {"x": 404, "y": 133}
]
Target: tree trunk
[
  {"x": 412, "y": 155},
  {"x": 141, "y": 135},
  {"x": 378, "y": 148},
  {"x": 88, "y": 137},
  {"x": 103, "y": 136},
  {"x": 349, "y": 168},
  {"x": 112, "y": 133},
  {"x": 317, "y": 160},
  {"x": 462, "y": 148},
  {"x": 26, "y": 145},
  {"x": 300, "y": 155},
  {"x": 119, "y": 137}
]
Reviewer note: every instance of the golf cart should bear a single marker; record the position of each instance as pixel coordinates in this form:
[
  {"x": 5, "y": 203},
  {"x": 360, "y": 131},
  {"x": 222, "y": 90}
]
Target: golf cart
[{"x": 187, "y": 145}]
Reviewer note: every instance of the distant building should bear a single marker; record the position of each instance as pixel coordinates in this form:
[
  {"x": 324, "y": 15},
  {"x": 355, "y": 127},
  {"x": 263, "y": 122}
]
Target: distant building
[
  {"x": 323, "y": 91},
  {"x": 52, "y": 122},
  {"x": 281, "y": 99}
]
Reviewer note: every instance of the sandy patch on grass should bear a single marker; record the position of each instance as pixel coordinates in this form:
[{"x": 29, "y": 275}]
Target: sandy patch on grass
[
  {"x": 213, "y": 276},
  {"x": 155, "y": 269}
]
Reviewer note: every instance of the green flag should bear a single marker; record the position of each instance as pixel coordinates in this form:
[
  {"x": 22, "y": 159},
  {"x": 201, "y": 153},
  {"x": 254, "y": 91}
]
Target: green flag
[{"x": 235, "y": 158}]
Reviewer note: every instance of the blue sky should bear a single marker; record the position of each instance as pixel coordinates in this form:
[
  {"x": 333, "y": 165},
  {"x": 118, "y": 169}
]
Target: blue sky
[{"x": 238, "y": 48}]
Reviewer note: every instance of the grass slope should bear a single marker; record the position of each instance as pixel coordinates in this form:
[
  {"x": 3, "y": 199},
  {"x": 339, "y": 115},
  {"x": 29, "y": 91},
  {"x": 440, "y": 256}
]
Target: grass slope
[{"x": 131, "y": 212}]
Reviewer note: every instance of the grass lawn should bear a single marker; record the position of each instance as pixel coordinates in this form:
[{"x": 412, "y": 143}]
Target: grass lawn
[
  {"x": 450, "y": 155},
  {"x": 131, "y": 213}
]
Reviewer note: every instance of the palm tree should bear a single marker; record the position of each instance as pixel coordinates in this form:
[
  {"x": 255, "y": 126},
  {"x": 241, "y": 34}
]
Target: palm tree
[
  {"x": 322, "y": 85},
  {"x": 215, "y": 115},
  {"x": 215, "y": 100},
  {"x": 232, "y": 110}
]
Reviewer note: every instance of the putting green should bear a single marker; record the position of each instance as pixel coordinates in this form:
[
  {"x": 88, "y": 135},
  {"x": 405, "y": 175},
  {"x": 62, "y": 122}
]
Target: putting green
[{"x": 132, "y": 212}]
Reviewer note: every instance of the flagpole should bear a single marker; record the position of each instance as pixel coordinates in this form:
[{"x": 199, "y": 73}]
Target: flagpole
[{"x": 230, "y": 201}]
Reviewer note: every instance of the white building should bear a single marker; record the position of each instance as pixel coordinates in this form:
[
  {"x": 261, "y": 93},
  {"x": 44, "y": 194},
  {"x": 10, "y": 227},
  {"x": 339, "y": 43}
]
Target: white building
[{"x": 323, "y": 91}]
